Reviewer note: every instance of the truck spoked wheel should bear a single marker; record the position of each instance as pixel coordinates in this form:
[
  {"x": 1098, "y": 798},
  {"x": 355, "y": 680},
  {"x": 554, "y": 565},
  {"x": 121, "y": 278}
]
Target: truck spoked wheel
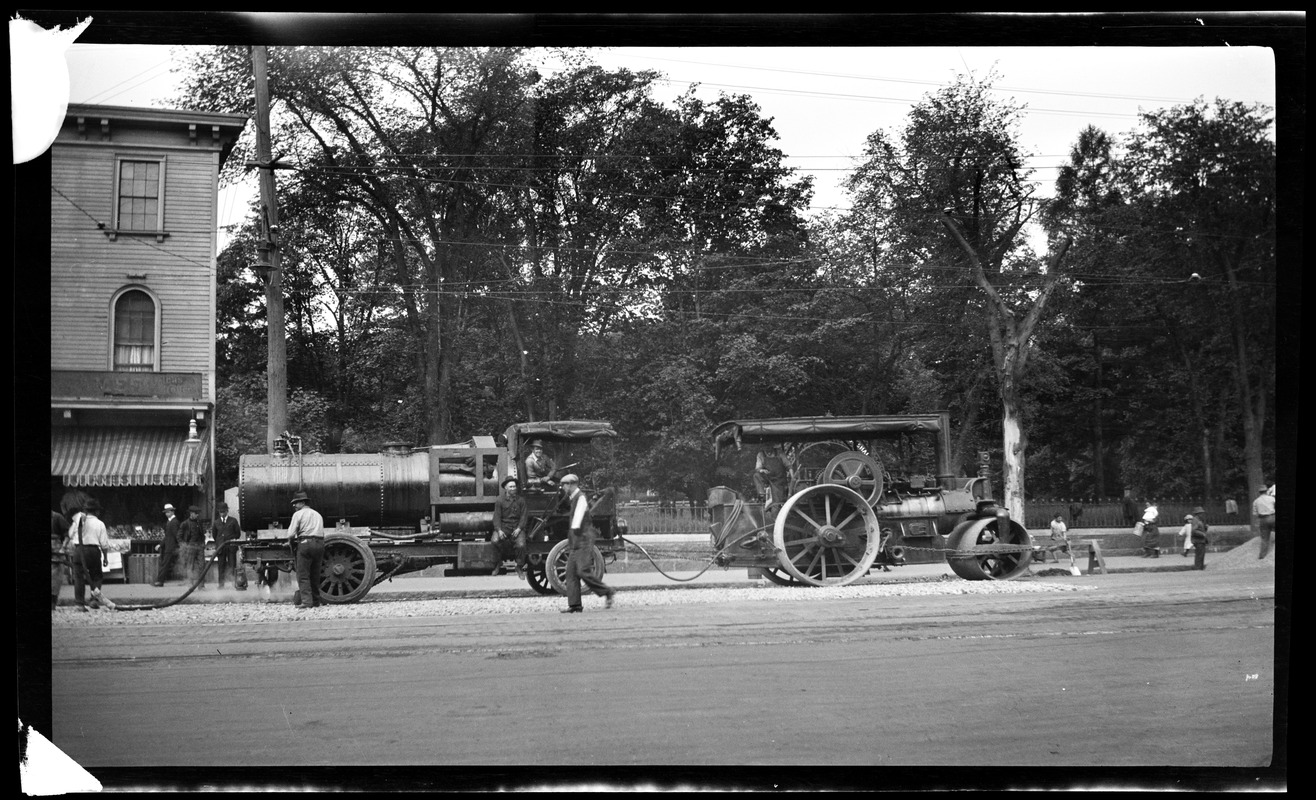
[
  {"x": 556, "y": 566},
  {"x": 538, "y": 579},
  {"x": 348, "y": 569}
]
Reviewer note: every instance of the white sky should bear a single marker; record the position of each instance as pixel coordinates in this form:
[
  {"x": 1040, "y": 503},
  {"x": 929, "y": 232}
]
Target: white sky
[{"x": 825, "y": 101}]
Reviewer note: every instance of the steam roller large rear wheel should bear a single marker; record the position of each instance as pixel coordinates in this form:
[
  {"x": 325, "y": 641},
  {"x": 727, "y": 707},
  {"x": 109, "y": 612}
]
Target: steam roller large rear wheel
[
  {"x": 348, "y": 569},
  {"x": 555, "y": 566},
  {"x": 981, "y": 551},
  {"x": 826, "y": 535}
]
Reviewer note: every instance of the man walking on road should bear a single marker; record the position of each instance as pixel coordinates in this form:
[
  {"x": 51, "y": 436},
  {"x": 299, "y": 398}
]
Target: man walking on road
[
  {"x": 580, "y": 561},
  {"x": 306, "y": 537}
]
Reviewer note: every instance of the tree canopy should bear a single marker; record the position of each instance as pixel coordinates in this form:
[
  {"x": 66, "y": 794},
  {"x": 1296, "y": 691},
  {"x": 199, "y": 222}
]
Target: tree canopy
[{"x": 470, "y": 240}]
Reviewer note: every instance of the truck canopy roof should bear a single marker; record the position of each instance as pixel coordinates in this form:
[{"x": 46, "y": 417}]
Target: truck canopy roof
[{"x": 561, "y": 429}]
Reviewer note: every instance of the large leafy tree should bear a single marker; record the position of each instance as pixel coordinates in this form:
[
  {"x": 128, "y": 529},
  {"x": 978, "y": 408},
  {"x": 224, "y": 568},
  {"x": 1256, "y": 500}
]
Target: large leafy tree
[
  {"x": 1200, "y": 183},
  {"x": 402, "y": 134},
  {"x": 951, "y": 198}
]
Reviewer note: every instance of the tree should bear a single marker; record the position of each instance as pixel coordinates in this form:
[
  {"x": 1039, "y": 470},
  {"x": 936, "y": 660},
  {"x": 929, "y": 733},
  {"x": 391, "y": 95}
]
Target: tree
[
  {"x": 1200, "y": 180},
  {"x": 957, "y": 165}
]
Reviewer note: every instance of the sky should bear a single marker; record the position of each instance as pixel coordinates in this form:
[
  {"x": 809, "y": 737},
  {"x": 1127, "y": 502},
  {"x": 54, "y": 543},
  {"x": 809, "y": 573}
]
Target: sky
[{"x": 825, "y": 101}]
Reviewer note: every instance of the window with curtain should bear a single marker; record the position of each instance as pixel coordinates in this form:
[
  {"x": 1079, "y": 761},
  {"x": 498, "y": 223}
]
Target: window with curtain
[
  {"x": 134, "y": 332},
  {"x": 139, "y": 196}
]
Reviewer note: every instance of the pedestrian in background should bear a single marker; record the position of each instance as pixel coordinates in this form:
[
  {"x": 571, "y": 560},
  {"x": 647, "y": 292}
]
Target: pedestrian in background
[
  {"x": 306, "y": 537},
  {"x": 89, "y": 545},
  {"x": 1200, "y": 539},
  {"x": 59, "y": 529},
  {"x": 1075, "y": 512},
  {"x": 226, "y": 529},
  {"x": 192, "y": 547},
  {"x": 580, "y": 559},
  {"x": 1263, "y": 508},
  {"x": 168, "y": 548},
  {"x": 1130, "y": 509},
  {"x": 1151, "y": 534},
  {"x": 1186, "y": 531},
  {"x": 509, "y": 519}
]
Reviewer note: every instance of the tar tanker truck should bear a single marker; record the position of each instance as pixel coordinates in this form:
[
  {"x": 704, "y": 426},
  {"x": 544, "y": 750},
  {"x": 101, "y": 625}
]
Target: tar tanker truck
[{"x": 408, "y": 508}]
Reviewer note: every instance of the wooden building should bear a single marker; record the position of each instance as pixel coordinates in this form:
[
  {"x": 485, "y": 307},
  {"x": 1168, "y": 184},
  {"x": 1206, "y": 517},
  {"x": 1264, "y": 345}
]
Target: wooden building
[{"x": 133, "y": 245}]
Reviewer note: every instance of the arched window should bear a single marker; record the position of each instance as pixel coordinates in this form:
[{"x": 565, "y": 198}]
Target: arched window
[{"x": 134, "y": 332}]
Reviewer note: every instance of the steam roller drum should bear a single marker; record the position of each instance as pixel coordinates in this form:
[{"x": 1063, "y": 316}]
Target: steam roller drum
[{"x": 981, "y": 551}]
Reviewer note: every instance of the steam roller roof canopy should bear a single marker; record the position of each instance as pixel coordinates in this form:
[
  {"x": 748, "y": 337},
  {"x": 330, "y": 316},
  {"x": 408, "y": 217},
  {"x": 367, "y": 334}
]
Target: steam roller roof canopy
[{"x": 784, "y": 428}]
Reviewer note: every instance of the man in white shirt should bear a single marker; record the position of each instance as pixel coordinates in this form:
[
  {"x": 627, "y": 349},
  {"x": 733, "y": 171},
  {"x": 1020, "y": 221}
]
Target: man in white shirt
[
  {"x": 1263, "y": 508},
  {"x": 306, "y": 536},
  {"x": 89, "y": 542},
  {"x": 580, "y": 560}
]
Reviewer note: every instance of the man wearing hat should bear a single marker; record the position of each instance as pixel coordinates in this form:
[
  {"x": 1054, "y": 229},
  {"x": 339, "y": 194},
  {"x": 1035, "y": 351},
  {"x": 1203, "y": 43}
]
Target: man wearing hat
[
  {"x": 580, "y": 561},
  {"x": 192, "y": 547},
  {"x": 226, "y": 529},
  {"x": 1263, "y": 508},
  {"x": 89, "y": 542},
  {"x": 539, "y": 466},
  {"x": 168, "y": 549},
  {"x": 306, "y": 537},
  {"x": 509, "y": 520},
  {"x": 1200, "y": 540}
]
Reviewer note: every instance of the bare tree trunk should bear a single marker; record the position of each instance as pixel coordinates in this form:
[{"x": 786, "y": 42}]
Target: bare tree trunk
[
  {"x": 1011, "y": 340},
  {"x": 1098, "y": 426}
]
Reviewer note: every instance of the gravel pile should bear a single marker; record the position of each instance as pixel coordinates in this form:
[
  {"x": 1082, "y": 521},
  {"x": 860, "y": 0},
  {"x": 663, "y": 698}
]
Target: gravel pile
[
  {"x": 245, "y": 613},
  {"x": 1242, "y": 557}
]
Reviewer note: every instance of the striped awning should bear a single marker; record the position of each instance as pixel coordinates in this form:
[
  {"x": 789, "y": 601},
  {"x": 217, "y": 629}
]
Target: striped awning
[{"x": 128, "y": 456}]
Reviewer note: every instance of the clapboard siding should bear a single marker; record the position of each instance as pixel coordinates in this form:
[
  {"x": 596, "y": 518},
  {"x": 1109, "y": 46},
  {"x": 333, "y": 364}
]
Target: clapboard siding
[{"x": 88, "y": 268}]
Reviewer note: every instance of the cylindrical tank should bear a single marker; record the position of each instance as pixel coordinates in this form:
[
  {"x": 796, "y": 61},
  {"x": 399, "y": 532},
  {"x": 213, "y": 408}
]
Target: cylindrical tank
[{"x": 378, "y": 490}]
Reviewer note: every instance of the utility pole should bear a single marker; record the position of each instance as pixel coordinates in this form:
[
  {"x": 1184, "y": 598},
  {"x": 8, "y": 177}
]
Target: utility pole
[{"x": 268, "y": 247}]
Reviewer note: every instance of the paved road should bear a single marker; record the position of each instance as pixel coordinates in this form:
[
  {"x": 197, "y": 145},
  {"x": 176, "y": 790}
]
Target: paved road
[{"x": 1137, "y": 669}]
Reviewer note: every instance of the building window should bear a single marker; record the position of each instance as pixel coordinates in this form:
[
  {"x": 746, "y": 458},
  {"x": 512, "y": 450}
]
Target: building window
[
  {"x": 140, "y": 206},
  {"x": 134, "y": 332}
]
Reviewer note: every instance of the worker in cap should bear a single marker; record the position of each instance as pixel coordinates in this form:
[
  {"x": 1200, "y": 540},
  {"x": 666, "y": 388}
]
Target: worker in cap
[
  {"x": 581, "y": 564},
  {"x": 306, "y": 536}
]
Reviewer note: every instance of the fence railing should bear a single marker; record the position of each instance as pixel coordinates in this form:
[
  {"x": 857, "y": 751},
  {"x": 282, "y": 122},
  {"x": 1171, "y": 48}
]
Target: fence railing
[{"x": 654, "y": 518}]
